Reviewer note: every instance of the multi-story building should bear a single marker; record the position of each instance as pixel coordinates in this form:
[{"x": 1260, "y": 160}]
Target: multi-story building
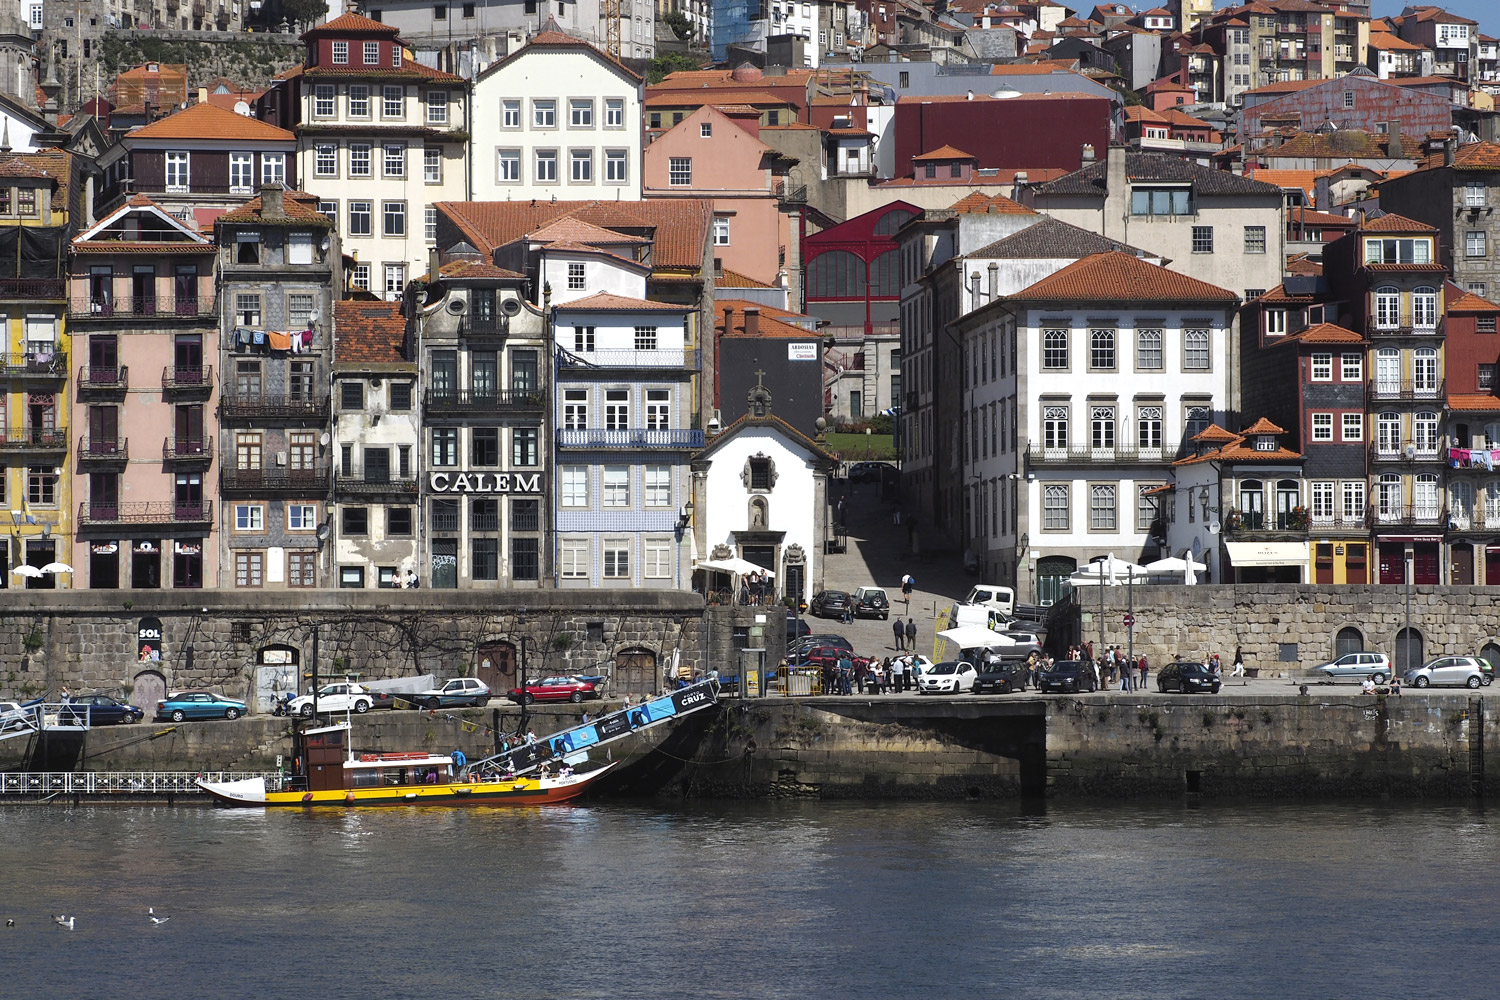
[
  {"x": 279, "y": 267},
  {"x": 380, "y": 140},
  {"x": 1456, "y": 193},
  {"x": 484, "y": 354},
  {"x": 1299, "y": 39},
  {"x": 37, "y": 195},
  {"x": 445, "y": 31},
  {"x": 1450, "y": 37},
  {"x": 1473, "y": 439},
  {"x": 142, "y": 301},
  {"x": 377, "y": 424},
  {"x": 559, "y": 118},
  {"x": 1356, "y": 100}
]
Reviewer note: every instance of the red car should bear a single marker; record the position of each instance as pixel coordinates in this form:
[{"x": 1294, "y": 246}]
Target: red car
[{"x": 555, "y": 689}]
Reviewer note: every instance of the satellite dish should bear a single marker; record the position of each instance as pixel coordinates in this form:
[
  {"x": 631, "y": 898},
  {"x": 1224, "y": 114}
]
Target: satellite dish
[
  {"x": 511, "y": 307},
  {"x": 1213, "y": 527},
  {"x": 324, "y": 439}
]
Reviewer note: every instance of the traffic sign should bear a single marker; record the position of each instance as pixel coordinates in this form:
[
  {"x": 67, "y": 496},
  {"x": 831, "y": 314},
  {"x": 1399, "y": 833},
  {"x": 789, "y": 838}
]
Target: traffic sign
[{"x": 1129, "y": 620}]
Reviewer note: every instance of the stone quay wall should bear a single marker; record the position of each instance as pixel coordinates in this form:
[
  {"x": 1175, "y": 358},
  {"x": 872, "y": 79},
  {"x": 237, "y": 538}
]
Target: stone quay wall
[{"x": 1285, "y": 628}]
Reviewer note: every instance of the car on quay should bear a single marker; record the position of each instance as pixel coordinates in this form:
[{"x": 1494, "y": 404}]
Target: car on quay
[
  {"x": 1001, "y": 677},
  {"x": 1187, "y": 677},
  {"x": 869, "y": 472},
  {"x": 1068, "y": 677},
  {"x": 186, "y": 705},
  {"x": 829, "y": 604},
  {"x": 558, "y": 688},
  {"x": 1457, "y": 671},
  {"x": 1357, "y": 666},
  {"x": 456, "y": 693},
  {"x": 101, "y": 710},
  {"x": 14, "y": 716},
  {"x": 947, "y": 677},
  {"x": 796, "y": 628},
  {"x": 820, "y": 639},
  {"x": 871, "y": 602}
]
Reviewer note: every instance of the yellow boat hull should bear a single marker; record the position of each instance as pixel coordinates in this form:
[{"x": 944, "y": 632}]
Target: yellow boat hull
[{"x": 509, "y": 792}]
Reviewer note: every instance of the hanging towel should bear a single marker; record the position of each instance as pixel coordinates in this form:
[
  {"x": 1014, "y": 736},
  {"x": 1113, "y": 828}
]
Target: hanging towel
[
  {"x": 258, "y": 338},
  {"x": 241, "y": 337},
  {"x": 296, "y": 342},
  {"x": 307, "y": 340},
  {"x": 279, "y": 340},
  {"x": 1483, "y": 459}
]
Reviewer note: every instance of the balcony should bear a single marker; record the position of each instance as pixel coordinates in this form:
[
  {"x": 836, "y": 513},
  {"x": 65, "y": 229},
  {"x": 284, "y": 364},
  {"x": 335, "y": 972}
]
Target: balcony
[
  {"x": 1380, "y": 391},
  {"x": 38, "y": 440},
  {"x": 188, "y": 451},
  {"x": 460, "y": 403},
  {"x": 135, "y": 307},
  {"x": 1430, "y": 516},
  {"x": 1407, "y": 452},
  {"x": 268, "y": 408},
  {"x": 1336, "y": 523},
  {"x": 274, "y": 482},
  {"x": 635, "y": 437},
  {"x": 186, "y": 380},
  {"x": 484, "y": 327},
  {"x": 1260, "y": 526},
  {"x": 389, "y": 486},
  {"x": 32, "y": 288},
  {"x": 1404, "y": 327},
  {"x": 1119, "y": 455},
  {"x": 166, "y": 514},
  {"x": 103, "y": 451},
  {"x": 34, "y": 364},
  {"x": 97, "y": 381},
  {"x": 628, "y": 359},
  {"x": 1474, "y": 519}
]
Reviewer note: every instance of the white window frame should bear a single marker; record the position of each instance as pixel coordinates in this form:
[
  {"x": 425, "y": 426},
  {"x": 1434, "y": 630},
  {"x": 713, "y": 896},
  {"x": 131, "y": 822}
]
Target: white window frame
[
  {"x": 432, "y": 165},
  {"x": 393, "y": 160},
  {"x": 574, "y": 489},
  {"x": 273, "y": 168},
  {"x": 544, "y": 113},
  {"x": 580, "y": 112},
  {"x": 325, "y": 160},
  {"x": 437, "y": 107},
  {"x": 614, "y": 112},
  {"x": 1352, "y": 427},
  {"x": 179, "y": 162},
  {"x": 544, "y": 166},
  {"x": 341, "y": 53},
  {"x": 510, "y": 114},
  {"x": 581, "y": 166},
  {"x": 1322, "y": 427},
  {"x": 508, "y": 158},
  {"x": 242, "y": 173},
  {"x": 573, "y": 558},
  {"x": 616, "y": 166},
  {"x": 656, "y": 559},
  {"x": 615, "y": 491},
  {"x": 1321, "y": 367}
]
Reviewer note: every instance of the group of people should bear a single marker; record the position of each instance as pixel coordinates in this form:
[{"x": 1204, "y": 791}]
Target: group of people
[
  {"x": 852, "y": 674},
  {"x": 757, "y": 589},
  {"x": 905, "y": 635}
]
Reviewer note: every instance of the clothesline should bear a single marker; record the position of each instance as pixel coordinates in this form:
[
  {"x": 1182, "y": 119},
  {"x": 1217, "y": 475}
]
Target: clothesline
[
  {"x": 1474, "y": 458},
  {"x": 291, "y": 341}
]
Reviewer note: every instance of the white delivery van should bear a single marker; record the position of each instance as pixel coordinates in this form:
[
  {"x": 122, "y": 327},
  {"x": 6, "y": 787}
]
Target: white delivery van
[
  {"x": 962, "y": 615},
  {"x": 992, "y": 595}
]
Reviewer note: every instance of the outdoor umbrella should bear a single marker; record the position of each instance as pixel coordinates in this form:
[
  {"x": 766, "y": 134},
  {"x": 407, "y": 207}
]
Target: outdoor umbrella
[
  {"x": 1112, "y": 572},
  {"x": 27, "y": 570},
  {"x": 1188, "y": 569},
  {"x": 975, "y": 637},
  {"x": 57, "y": 567}
]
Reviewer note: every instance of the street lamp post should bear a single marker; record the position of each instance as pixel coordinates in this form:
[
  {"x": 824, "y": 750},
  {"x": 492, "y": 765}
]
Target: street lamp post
[{"x": 1404, "y": 647}]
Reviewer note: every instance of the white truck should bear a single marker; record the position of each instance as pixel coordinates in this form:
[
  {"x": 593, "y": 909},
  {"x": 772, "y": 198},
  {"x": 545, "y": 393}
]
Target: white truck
[
  {"x": 980, "y": 615},
  {"x": 993, "y": 595}
]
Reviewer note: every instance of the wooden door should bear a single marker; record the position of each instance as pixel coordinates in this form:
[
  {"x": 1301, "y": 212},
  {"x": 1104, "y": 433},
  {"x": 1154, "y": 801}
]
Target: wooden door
[
  {"x": 1461, "y": 570},
  {"x": 1323, "y": 563},
  {"x": 1356, "y": 562}
]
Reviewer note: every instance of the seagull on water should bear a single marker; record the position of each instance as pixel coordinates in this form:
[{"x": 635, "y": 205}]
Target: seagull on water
[
  {"x": 63, "y": 921},
  {"x": 151, "y": 912},
  {"x": 10, "y": 922}
]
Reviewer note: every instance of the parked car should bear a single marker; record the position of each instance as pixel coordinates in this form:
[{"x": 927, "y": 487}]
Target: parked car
[
  {"x": 342, "y": 696},
  {"x": 871, "y": 602},
  {"x": 796, "y": 628},
  {"x": 13, "y": 716},
  {"x": 102, "y": 710},
  {"x": 820, "y": 639},
  {"x": 1488, "y": 668},
  {"x": 1186, "y": 677},
  {"x": 560, "y": 688},
  {"x": 828, "y": 604},
  {"x": 457, "y": 692},
  {"x": 947, "y": 677},
  {"x": 198, "y": 705},
  {"x": 818, "y": 656},
  {"x": 1068, "y": 676},
  {"x": 1376, "y": 666},
  {"x": 869, "y": 472},
  {"x": 1464, "y": 671},
  {"x": 1001, "y": 677}
]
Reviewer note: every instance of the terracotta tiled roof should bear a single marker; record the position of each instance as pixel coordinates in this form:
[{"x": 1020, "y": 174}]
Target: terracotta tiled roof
[
  {"x": 1473, "y": 402},
  {"x": 978, "y": 203},
  {"x": 740, "y": 305},
  {"x": 1345, "y": 144},
  {"x": 19, "y": 167},
  {"x": 368, "y": 332},
  {"x": 473, "y": 269},
  {"x": 297, "y": 207},
  {"x": 1475, "y": 156},
  {"x": 1303, "y": 264},
  {"x": 767, "y": 326},
  {"x": 351, "y": 23},
  {"x": 1233, "y": 449},
  {"x": 734, "y": 279},
  {"x": 1385, "y": 40},
  {"x": 570, "y": 230},
  {"x": 605, "y": 302},
  {"x": 681, "y": 225},
  {"x": 1285, "y": 87},
  {"x": 697, "y": 98},
  {"x": 1323, "y": 333},
  {"x": 1393, "y": 223},
  {"x": 555, "y": 38},
  {"x": 1310, "y": 217},
  {"x": 208, "y": 121},
  {"x": 1430, "y": 13},
  {"x": 1090, "y": 180},
  {"x": 1263, "y": 426},
  {"x": 1121, "y": 277},
  {"x": 1212, "y": 433},
  {"x": 1468, "y": 302},
  {"x": 1279, "y": 294},
  {"x": 407, "y": 71},
  {"x": 944, "y": 153}
]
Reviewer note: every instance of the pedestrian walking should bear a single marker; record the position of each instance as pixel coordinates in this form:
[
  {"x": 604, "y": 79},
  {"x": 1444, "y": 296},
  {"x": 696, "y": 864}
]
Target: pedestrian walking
[
  {"x": 1239, "y": 663},
  {"x": 911, "y": 636},
  {"x": 899, "y": 631},
  {"x": 898, "y": 675},
  {"x": 907, "y": 583}
]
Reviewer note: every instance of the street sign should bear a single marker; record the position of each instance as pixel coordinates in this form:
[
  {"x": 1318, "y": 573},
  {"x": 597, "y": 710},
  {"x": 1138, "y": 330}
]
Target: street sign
[{"x": 1129, "y": 620}]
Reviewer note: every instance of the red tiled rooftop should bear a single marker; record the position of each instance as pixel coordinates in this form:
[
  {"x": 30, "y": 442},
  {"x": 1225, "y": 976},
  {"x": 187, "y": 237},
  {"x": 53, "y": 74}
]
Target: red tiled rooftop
[
  {"x": 1121, "y": 277},
  {"x": 368, "y": 332}
]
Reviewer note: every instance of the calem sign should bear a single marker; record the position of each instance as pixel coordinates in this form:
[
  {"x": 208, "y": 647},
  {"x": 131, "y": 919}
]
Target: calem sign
[{"x": 485, "y": 482}]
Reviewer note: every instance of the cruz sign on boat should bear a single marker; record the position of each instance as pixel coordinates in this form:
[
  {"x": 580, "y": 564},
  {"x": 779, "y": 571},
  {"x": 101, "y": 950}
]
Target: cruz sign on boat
[{"x": 485, "y": 482}]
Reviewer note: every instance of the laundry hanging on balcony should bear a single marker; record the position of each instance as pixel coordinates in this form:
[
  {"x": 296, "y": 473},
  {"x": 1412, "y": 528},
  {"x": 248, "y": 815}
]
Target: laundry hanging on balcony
[{"x": 1473, "y": 458}]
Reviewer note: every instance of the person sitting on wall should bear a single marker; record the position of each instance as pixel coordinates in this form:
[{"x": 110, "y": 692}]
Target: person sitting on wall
[{"x": 1368, "y": 686}]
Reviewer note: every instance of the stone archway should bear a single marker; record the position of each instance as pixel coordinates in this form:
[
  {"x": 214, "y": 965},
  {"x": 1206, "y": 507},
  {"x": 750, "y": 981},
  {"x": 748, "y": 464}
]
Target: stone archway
[
  {"x": 636, "y": 672},
  {"x": 150, "y": 688}
]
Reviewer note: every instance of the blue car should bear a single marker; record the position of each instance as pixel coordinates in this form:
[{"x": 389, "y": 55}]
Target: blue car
[
  {"x": 198, "y": 705},
  {"x": 102, "y": 710}
]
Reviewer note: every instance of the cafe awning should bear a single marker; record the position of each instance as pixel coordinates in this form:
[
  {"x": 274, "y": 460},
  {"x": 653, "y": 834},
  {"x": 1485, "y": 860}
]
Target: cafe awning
[{"x": 1244, "y": 554}]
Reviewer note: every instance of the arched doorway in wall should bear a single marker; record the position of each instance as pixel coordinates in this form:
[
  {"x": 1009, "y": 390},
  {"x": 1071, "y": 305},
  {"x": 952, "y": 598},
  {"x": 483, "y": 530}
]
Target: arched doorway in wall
[
  {"x": 635, "y": 672},
  {"x": 1052, "y": 574},
  {"x": 1491, "y": 653},
  {"x": 1349, "y": 640},
  {"x": 150, "y": 688},
  {"x": 1408, "y": 650},
  {"x": 495, "y": 665},
  {"x": 276, "y": 673}
]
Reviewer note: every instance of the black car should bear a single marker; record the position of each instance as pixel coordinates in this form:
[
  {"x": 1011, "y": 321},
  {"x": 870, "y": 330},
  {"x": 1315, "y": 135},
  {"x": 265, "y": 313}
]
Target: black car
[
  {"x": 796, "y": 628},
  {"x": 829, "y": 604},
  {"x": 869, "y": 472},
  {"x": 1068, "y": 675},
  {"x": 1002, "y": 677},
  {"x": 1186, "y": 678},
  {"x": 102, "y": 710},
  {"x": 805, "y": 643}
]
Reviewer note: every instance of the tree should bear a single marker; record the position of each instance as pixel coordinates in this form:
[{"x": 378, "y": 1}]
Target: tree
[
  {"x": 308, "y": 12},
  {"x": 671, "y": 62},
  {"x": 678, "y": 22}
]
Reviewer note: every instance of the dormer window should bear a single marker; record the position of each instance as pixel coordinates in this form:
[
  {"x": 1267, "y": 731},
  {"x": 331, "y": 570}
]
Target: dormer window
[
  {"x": 1398, "y": 251},
  {"x": 372, "y": 53},
  {"x": 1265, "y": 442}
]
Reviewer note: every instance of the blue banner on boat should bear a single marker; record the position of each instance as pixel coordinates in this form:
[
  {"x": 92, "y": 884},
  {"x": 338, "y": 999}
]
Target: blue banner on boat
[{"x": 575, "y": 739}]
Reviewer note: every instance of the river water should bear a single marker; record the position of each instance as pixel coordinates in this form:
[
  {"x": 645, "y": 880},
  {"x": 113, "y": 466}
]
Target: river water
[{"x": 761, "y": 900}]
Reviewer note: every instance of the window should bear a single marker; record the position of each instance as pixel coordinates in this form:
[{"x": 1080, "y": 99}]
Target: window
[
  {"x": 1145, "y": 507},
  {"x": 396, "y": 56},
  {"x": 1102, "y": 427},
  {"x": 573, "y": 555},
  {"x": 1275, "y": 322},
  {"x": 359, "y": 160},
  {"x": 1195, "y": 350},
  {"x": 616, "y": 169},
  {"x": 401, "y": 397},
  {"x": 523, "y": 371},
  {"x": 393, "y": 102},
  {"x": 1161, "y": 201},
  {"x": 525, "y": 558},
  {"x": 645, "y": 338},
  {"x": 544, "y": 114},
  {"x": 1055, "y": 349},
  {"x": 299, "y": 307},
  {"x": 1203, "y": 239},
  {"x": 429, "y": 225},
  {"x": 484, "y": 446},
  {"x": 581, "y": 113},
  {"x": 1322, "y": 367},
  {"x": 657, "y": 558},
  {"x": 249, "y": 516},
  {"x": 1424, "y": 428},
  {"x": 393, "y": 162},
  {"x": 432, "y": 165},
  {"x": 355, "y": 520},
  {"x": 1354, "y": 501},
  {"x": 614, "y": 112},
  {"x": 1055, "y": 427},
  {"x": 177, "y": 172},
  {"x": 359, "y": 101},
  {"x": 301, "y": 569},
  {"x": 394, "y": 213},
  {"x": 508, "y": 165},
  {"x": 1102, "y": 350},
  {"x": 1353, "y": 427},
  {"x": 395, "y": 278},
  {"x": 341, "y": 53},
  {"x": 445, "y": 446},
  {"x": 1398, "y": 251},
  {"x": 616, "y": 558},
  {"x": 242, "y": 170},
  {"x": 1322, "y": 426},
  {"x": 616, "y": 486},
  {"x": 41, "y": 487},
  {"x": 1485, "y": 324},
  {"x": 301, "y": 517},
  {"x": 1322, "y": 502},
  {"x": 706, "y": 130},
  {"x": 323, "y": 101},
  {"x": 360, "y": 218},
  {"x": 1102, "y": 511},
  {"x": 721, "y": 231},
  {"x": 1474, "y": 243},
  {"x": 581, "y": 165},
  {"x": 1474, "y": 194},
  {"x": 510, "y": 114},
  {"x": 576, "y": 283},
  {"x": 1148, "y": 350},
  {"x": 352, "y": 394},
  {"x": 272, "y": 168},
  {"x": 1351, "y": 367},
  {"x": 1055, "y": 507},
  {"x": 351, "y": 576},
  {"x": 658, "y": 409},
  {"x": 1486, "y": 376},
  {"x": 361, "y": 279},
  {"x": 1148, "y": 425},
  {"x": 575, "y": 409},
  {"x": 1255, "y": 239},
  {"x": 546, "y": 165},
  {"x": 575, "y": 486},
  {"x": 680, "y": 171},
  {"x": 583, "y": 338},
  {"x": 247, "y": 308},
  {"x": 249, "y": 569},
  {"x": 484, "y": 559},
  {"x": 1348, "y": 99},
  {"x": 372, "y": 53},
  {"x": 616, "y": 409},
  {"x": 325, "y": 162},
  {"x": 523, "y": 446},
  {"x": 437, "y": 107}
]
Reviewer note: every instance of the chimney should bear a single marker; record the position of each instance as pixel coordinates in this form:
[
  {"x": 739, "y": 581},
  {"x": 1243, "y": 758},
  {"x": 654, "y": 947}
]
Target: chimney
[
  {"x": 1116, "y": 188},
  {"x": 1394, "y": 150},
  {"x": 1450, "y": 146},
  {"x": 1088, "y": 153},
  {"x": 202, "y": 95},
  {"x": 270, "y": 201},
  {"x": 729, "y": 320},
  {"x": 752, "y": 322},
  {"x": 974, "y": 301},
  {"x": 994, "y": 280},
  {"x": 434, "y": 264},
  {"x": 970, "y": 96}
]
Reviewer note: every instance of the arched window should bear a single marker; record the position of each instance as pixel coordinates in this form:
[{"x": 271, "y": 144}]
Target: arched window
[
  {"x": 1388, "y": 496},
  {"x": 1195, "y": 350},
  {"x": 885, "y": 281},
  {"x": 1349, "y": 640},
  {"x": 1288, "y": 499},
  {"x": 1102, "y": 510},
  {"x": 1492, "y": 502},
  {"x": 1148, "y": 350},
  {"x": 1252, "y": 505},
  {"x": 892, "y": 221},
  {"x": 1424, "y": 307},
  {"x": 1055, "y": 349},
  {"x": 1055, "y": 428},
  {"x": 1425, "y": 497},
  {"x": 1424, "y": 371},
  {"x": 1387, "y": 307},
  {"x": 1424, "y": 432},
  {"x": 1388, "y": 432},
  {"x": 1055, "y": 507},
  {"x": 837, "y": 274},
  {"x": 1102, "y": 349},
  {"x": 1408, "y": 649},
  {"x": 1388, "y": 370}
]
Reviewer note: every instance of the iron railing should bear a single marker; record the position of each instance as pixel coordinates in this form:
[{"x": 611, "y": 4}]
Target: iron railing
[
  {"x": 284, "y": 407},
  {"x": 294, "y": 482},
  {"x": 635, "y": 437},
  {"x": 103, "y": 450},
  {"x": 483, "y": 402},
  {"x": 163, "y": 307},
  {"x": 681, "y": 359},
  {"x": 360, "y": 486},
  {"x": 187, "y": 449},
  {"x": 32, "y": 288},
  {"x": 1404, "y": 327},
  {"x": 162, "y": 512},
  {"x": 1417, "y": 516},
  {"x": 36, "y": 439},
  {"x": 1084, "y": 455},
  {"x": 1407, "y": 451},
  {"x": 1405, "y": 389},
  {"x": 19, "y": 784},
  {"x": 97, "y": 379},
  {"x": 34, "y": 364},
  {"x": 188, "y": 378}
]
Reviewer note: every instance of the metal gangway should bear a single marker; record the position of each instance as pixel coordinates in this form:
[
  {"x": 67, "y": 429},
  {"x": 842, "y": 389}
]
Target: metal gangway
[
  {"x": 571, "y": 745},
  {"x": 37, "y": 716},
  {"x": 45, "y": 784}
]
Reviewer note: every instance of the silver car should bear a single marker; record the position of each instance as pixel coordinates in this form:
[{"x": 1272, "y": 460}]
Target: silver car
[
  {"x": 1463, "y": 671},
  {"x": 1376, "y": 666}
]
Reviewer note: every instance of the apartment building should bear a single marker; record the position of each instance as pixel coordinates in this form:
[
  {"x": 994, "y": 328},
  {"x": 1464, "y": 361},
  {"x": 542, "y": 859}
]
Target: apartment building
[{"x": 1456, "y": 192}]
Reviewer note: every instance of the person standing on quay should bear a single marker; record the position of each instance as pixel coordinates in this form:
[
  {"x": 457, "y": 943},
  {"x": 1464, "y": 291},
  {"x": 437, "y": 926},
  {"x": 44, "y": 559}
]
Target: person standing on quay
[
  {"x": 1145, "y": 666},
  {"x": 911, "y": 636},
  {"x": 899, "y": 631}
]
